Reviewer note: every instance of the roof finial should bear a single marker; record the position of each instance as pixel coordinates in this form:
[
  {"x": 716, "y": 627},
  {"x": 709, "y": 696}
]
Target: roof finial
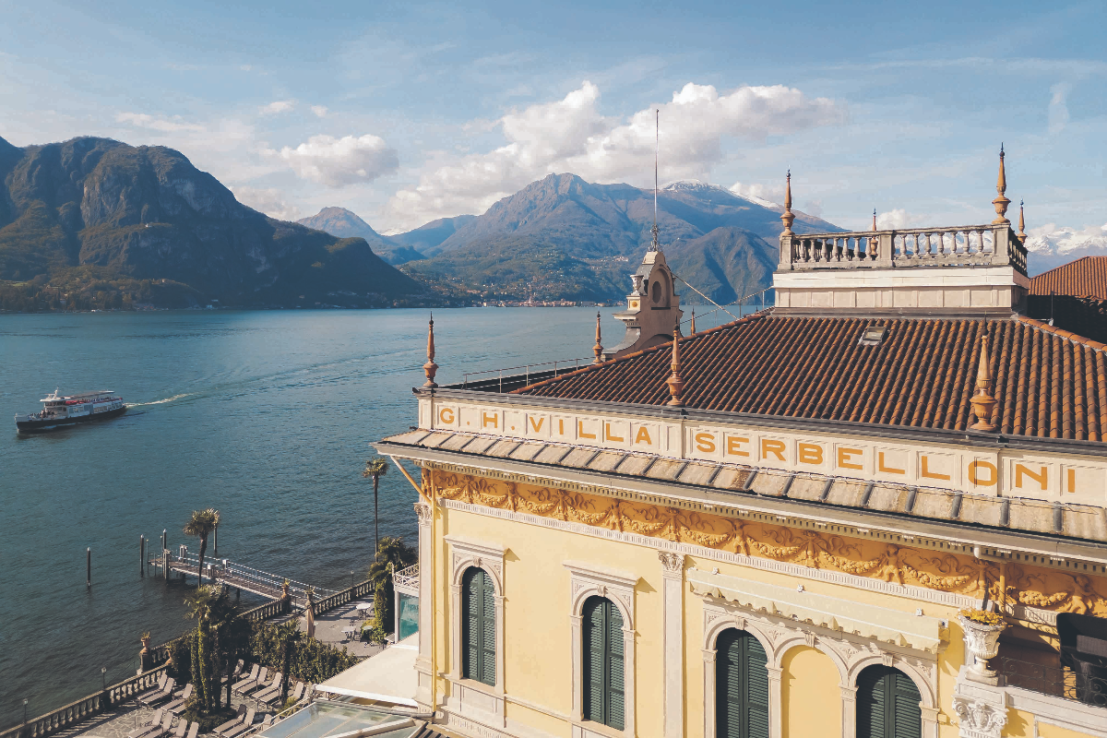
[
  {"x": 655, "y": 246},
  {"x": 676, "y": 384},
  {"x": 874, "y": 219},
  {"x": 692, "y": 329},
  {"x": 1022, "y": 225},
  {"x": 1001, "y": 202},
  {"x": 787, "y": 216},
  {"x": 982, "y": 401},
  {"x": 430, "y": 367},
  {"x": 598, "y": 348}
]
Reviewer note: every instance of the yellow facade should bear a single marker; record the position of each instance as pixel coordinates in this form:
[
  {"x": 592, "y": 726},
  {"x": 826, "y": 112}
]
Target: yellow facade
[{"x": 535, "y": 540}]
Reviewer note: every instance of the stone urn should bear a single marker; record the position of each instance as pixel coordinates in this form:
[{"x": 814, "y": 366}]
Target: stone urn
[
  {"x": 982, "y": 643},
  {"x": 145, "y": 656}
]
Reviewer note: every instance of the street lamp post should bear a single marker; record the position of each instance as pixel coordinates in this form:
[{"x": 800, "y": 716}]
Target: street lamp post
[
  {"x": 25, "y": 710},
  {"x": 103, "y": 677}
]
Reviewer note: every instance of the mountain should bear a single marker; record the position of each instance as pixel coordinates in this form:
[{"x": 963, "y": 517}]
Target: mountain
[
  {"x": 105, "y": 221},
  {"x": 1051, "y": 246},
  {"x": 346, "y": 224},
  {"x": 565, "y": 238},
  {"x": 427, "y": 238}
]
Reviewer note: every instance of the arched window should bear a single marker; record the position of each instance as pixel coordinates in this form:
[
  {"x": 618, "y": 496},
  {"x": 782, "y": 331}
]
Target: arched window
[
  {"x": 887, "y": 704},
  {"x": 741, "y": 686},
  {"x": 478, "y": 632},
  {"x": 603, "y": 663}
]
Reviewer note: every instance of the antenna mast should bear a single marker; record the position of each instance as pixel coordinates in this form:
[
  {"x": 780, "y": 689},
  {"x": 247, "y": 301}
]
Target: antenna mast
[{"x": 656, "y": 146}]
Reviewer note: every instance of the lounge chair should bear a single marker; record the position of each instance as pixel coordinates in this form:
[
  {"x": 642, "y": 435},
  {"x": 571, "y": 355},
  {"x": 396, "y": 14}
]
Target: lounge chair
[
  {"x": 161, "y": 685},
  {"x": 193, "y": 730},
  {"x": 256, "y": 684},
  {"x": 271, "y": 700},
  {"x": 252, "y": 678},
  {"x": 263, "y": 686},
  {"x": 231, "y": 723},
  {"x": 166, "y": 692},
  {"x": 154, "y": 722},
  {"x": 178, "y": 705},
  {"x": 161, "y": 730},
  {"x": 237, "y": 670},
  {"x": 180, "y": 730},
  {"x": 241, "y": 727},
  {"x": 273, "y": 690}
]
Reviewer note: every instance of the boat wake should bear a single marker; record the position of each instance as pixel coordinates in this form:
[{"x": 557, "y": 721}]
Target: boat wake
[{"x": 160, "y": 402}]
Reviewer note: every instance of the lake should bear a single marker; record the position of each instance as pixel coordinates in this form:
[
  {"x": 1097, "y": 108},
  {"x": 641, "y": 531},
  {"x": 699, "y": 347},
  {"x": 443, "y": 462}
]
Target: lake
[{"x": 265, "y": 415}]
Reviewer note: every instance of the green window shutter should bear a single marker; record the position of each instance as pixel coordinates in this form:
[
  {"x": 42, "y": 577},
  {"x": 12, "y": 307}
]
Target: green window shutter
[
  {"x": 741, "y": 686},
  {"x": 593, "y": 645},
  {"x": 905, "y": 700},
  {"x": 887, "y": 704},
  {"x": 616, "y": 697},
  {"x": 488, "y": 632},
  {"x": 757, "y": 691},
  {"x": 478, "y": 633}
]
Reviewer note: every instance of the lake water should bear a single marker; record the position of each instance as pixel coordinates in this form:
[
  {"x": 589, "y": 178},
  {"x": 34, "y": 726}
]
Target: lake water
[{"x": 266, "y": 416}]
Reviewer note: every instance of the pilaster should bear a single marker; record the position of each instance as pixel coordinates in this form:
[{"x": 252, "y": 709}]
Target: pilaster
[{"x": 672, "y": 574}]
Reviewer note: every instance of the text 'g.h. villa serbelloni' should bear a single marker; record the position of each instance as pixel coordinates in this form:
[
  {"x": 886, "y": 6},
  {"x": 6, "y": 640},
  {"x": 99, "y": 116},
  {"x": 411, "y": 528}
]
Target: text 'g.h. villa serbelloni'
[{"x": 875, "y": 508}]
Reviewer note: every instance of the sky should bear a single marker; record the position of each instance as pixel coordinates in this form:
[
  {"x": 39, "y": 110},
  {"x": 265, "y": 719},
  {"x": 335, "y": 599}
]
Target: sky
[{"x": 408, "y": 112}]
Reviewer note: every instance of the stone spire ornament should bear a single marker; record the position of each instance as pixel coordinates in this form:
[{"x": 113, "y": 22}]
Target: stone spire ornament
[
  {"x": 982, "y": 401},
  {"x": 1001, "y": 202},
  {"x": 692, "y": 328},
  {"x": 787, "y": 216},
  {"x": 1022, "y": 225},
  {"x": 430, "y": 368},
  {"x": 598, "y": 348},
  {"x": 676, "y": 384}
]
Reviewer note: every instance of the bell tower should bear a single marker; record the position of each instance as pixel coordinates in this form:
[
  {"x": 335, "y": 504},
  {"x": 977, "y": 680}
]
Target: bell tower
[{"x": 653, "y": 307}]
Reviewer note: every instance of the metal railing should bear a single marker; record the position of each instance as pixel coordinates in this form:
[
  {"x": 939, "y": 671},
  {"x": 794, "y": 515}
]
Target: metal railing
[
  {"x": 741, "y": 303},
  {"x": 562, "y": 365},
  {"x": 86, "y": 707},
  {"x": 1087, "y": 685}
]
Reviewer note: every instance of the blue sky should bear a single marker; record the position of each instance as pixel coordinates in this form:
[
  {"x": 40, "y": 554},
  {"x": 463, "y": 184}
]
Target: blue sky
[{"x": 409, "y": 111}]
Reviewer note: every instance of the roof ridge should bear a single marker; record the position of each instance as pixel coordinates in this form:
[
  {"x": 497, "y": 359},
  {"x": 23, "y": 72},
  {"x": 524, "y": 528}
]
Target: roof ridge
[
  {"x": 592, "y": 367},
  {"x": 1062, "y": 333}
]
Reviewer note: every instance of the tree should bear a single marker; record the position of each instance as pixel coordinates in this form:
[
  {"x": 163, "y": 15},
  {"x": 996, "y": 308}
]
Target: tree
[
  {"x": 221, "y": 635},
  {"x": 288, "y": 633},
  {"x": 392, "y": 555},
  {"x": 200, "y": 603},
  {"x": 201, "y": 524},
  {"x": 376, "y": 468}
]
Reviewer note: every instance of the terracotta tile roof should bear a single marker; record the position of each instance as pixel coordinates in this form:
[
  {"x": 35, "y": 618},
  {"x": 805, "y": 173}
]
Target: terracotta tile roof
[
  {"x": 1085, "y": 277},
  {"x": 1048, "y": 383}
]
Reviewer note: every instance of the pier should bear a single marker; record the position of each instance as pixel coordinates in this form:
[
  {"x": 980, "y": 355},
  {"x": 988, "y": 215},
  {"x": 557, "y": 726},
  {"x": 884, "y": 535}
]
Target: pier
[{"x": 240, "y": 576}]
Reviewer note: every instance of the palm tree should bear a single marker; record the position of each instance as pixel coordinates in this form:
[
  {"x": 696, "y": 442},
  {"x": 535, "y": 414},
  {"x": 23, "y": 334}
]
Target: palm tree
[
  {"x": 201, "y": 524},
  {"x": 288, "y": 634},
  {"x": 201, "y": 603},
  {"x": 375, "y": 468}
]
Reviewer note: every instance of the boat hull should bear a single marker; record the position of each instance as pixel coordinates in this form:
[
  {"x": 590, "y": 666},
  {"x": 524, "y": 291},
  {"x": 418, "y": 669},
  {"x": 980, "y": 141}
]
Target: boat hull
[{"x": 40, "y": 426}]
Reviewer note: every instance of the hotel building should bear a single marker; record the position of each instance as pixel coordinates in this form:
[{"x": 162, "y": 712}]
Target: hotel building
[{"x": 877, "y": 508}]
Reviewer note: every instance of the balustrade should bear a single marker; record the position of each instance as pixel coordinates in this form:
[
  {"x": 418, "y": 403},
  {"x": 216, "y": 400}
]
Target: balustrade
[{"x": 960, "y": 245}]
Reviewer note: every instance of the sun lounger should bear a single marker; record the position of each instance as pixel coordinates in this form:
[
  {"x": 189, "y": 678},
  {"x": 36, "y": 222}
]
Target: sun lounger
[
  {"x": 161, "y": 730},
  {"x": 253, "y": 682},
  {"x": 161, "y": 685},
  {"x": 251, "y": 677},
  {"x": 193, "y": 730},
  {"x": 272, "y": 699},
  {"x": 154, "y": 722},
  {"x": 231, "y": 723},
  {"x": 180, "y": 730},
  {"x": 273, "y": 690},
  {"x": 237, "y": 670},
  {"x": 241, "y": 727},
  {"x": 178, "y": 705},
  {"x": 152, "y": 699},
  {"x": 263, "y": 685}
]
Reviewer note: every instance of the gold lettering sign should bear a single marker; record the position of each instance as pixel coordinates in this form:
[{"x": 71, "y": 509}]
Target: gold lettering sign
[
  {"x": 776, "y": 448},
  {"x": 705, "y": 443},
  {"x": 643, "y": 436},
  {"x": 927, "y": 474},
  {"x": 887, "y": 469},
  {"x": 609, "y": 436},
  {"x": 536, "y": 427},
  {"x": 734, "y": 445},
  {"x": 581, "y": 433},
  {"x": 990, "y": 476},
  {"x": 487, "y": 419},
  {"x": 810, "y": 453},
  {"x": 845, "y": 458},
  {"x": 446, "y": 415},
  {"x": 1041, "y": 477}
]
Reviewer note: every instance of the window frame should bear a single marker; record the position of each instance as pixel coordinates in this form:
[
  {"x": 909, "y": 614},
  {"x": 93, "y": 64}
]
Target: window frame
[{"x": 487, "y": 590}]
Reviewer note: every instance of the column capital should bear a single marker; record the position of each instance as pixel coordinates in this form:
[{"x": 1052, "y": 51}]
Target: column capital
[{"x": 672, "y": 564}]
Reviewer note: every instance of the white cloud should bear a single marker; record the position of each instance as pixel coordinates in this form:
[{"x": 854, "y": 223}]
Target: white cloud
[
  {"x": 570, "y": 135},
  {"x": 165, "y": 125},
  {"x": 767, "y": 195},
  {"x": 319, "y": 110},
  {"x": 898, "y": 218},
  {"x": 1064, "y": 240},
  {"x": 1058, "y": 107},
  {"x": 337, "y": 162},
  {"x": 270, "y": 201},
  {"x": 278, "y": 106}
]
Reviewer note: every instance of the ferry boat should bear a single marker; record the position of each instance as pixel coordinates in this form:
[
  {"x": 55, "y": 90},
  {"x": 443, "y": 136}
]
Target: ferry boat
[{"x": 58, "y": 410}]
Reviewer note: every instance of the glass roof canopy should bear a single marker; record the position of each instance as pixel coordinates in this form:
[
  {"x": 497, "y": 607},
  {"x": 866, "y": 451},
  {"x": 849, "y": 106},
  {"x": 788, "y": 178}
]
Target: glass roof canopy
[{"x": 321, "y": 719}]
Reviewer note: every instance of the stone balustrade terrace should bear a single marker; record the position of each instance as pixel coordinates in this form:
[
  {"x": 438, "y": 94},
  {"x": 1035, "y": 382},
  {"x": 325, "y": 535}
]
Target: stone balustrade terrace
[{"x": 973, "y": 245}]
